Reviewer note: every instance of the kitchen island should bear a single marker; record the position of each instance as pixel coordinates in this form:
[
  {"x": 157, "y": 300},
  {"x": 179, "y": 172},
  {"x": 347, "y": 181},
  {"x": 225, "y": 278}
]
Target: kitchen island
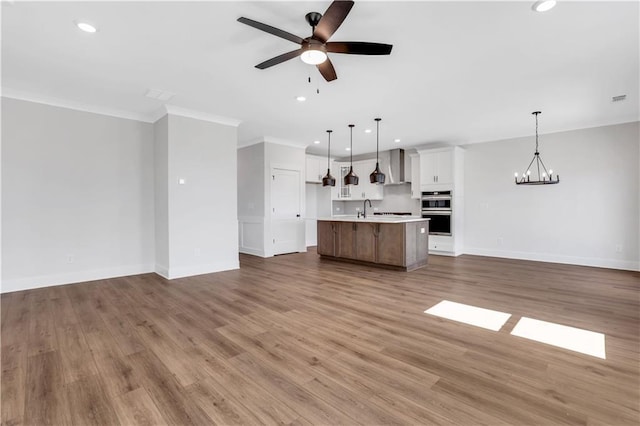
[{"x": 392, "y": 242}]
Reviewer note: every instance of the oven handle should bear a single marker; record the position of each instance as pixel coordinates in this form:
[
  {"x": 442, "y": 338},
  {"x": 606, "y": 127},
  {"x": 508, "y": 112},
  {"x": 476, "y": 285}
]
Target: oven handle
[
  {"x": 441, "y": 213},
  {"x": 437, "y": 198}
]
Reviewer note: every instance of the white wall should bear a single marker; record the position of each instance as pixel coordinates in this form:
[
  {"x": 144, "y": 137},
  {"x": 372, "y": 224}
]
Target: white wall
[
  {"x": 74, "y": 184},
  {"x": 583, "y": 220},
  {"x": 203, "y": 216},
  {"x": 251, "y": 199},
  {"x": 161, "y": 204}
]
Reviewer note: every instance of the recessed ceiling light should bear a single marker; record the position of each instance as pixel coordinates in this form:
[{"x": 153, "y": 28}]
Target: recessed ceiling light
[
  {"x": 316, "y": 142},
  {"x": 543, "y": 5},
  {"x": 86, "y": 27},
  {"x": 367, "y": 130},
  {"x": 396, "y": 140},
  {"x": 347, "y": 149},
  {"x": 301, "y": 98}
]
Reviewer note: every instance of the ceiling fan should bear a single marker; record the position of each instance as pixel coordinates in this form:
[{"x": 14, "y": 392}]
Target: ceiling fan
[{"x": 313, "y": 50}]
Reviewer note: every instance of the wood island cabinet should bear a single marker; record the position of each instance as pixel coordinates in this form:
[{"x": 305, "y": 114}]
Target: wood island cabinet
[{"x": 401, "y": 245}]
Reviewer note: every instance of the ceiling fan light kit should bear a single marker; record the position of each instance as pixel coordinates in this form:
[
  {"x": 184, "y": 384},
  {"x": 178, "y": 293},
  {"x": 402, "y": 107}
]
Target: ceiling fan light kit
[
  {"x": 313, "y": 50},
  {"x": 546, "y": 178},
  {"x": 351, "y": 178},
  {"x": 377, "y": 176},
  {"x": 329, "y": 180}
]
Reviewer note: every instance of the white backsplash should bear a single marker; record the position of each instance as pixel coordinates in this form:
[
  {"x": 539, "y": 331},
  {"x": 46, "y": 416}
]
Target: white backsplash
[{"x": 397, "y": 198}]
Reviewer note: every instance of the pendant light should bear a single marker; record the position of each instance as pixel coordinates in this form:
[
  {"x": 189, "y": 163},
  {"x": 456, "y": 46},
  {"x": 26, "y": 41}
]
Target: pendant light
[
  {"x": 329, "y": 180},
  {"x": 377, "y": 176},
  {"x": 546, "y": 177},
  {"x": 351, "y": 178}
]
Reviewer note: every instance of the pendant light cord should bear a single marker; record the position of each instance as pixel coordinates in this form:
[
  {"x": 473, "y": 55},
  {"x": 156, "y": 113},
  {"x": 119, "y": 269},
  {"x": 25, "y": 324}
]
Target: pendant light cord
[
  {"x": 536, "y": 114},
  {"x": 377, "y": 138},
  {"x": 351, "y": 145},
  {"x": 329, "y": 150}
]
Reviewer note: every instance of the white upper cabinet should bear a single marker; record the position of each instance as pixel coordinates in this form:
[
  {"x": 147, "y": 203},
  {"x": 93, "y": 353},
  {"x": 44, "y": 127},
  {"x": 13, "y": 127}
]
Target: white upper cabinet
[
  {"x": 436, "y": 167},
  {"x": 316, "y": 167}
]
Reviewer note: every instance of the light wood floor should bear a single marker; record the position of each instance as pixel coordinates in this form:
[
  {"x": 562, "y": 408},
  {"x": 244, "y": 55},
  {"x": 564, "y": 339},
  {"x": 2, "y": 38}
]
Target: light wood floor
[{"x": 298, "y": 340}]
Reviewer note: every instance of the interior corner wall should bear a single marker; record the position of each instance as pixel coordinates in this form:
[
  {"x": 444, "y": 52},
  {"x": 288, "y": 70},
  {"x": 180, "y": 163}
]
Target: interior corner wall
[
  {"x": 202, "y": 211},
  {"x": 77, "y": 196},
  {"x": 161, "y": 205},
  {"x": 589, "y": 218},
  {"x": 251, "y": 199}
]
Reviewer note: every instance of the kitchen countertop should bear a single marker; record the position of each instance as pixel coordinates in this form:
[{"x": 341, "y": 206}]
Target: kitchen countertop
[{"x": 374, "y": 219}]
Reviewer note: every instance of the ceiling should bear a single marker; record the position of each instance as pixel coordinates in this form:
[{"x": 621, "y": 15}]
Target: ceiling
[{"x": 459, "y": 72}]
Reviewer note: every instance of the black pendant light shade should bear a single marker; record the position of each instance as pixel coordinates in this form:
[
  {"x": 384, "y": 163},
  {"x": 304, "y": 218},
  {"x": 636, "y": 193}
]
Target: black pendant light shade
[
  {"x": 329, "y": 180},
  {"x": 377, "y": 176},
  {"x": 351, "y": 178}
]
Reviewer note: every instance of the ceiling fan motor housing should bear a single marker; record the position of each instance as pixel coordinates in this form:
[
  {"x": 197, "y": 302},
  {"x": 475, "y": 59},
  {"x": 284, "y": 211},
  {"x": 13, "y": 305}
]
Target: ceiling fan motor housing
[{"x": 313, "y": 18}]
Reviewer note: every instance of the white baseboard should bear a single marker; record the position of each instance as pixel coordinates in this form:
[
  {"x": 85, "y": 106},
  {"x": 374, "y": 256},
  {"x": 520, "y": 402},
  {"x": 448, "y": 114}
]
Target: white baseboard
[
  {"x": 553, "y": 258},
  {"x": 254, "y": 252},
  {"x": 28, "y": 283},
  {"x": 191, "y": 270}
]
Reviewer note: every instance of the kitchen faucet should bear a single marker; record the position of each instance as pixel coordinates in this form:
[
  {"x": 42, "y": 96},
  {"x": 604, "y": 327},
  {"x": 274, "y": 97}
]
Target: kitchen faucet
[{"x": 364, "y": 215}]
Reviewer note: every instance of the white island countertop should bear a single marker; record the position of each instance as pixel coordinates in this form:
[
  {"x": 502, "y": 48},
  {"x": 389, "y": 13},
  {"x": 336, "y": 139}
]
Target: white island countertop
[{"x": 374, "y": 219}]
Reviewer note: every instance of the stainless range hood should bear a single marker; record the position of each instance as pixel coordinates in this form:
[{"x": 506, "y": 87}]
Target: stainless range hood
[{"x": 394, "y": 167}]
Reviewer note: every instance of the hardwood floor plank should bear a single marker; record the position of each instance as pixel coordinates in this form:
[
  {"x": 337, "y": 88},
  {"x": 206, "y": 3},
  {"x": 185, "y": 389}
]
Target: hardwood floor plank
[
  {"x": 89, "y": 403},
  {"x": 137, "y": 408},
  {"x": 45, "y": 400},
  {"x": 165, "y": 390}
]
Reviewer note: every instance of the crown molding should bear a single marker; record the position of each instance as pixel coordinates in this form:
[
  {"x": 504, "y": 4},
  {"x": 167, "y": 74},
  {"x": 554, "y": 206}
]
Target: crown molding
[
  {"x": 119, "y": 113},
  {"x": 199, "y": 115},
  {"x": 273, "y": 140},
  {"x": 74, "y": 105}
]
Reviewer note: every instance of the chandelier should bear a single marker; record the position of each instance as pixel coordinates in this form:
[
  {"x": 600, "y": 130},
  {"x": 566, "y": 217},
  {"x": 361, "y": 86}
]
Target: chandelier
[{"x": 542, "y": 176}]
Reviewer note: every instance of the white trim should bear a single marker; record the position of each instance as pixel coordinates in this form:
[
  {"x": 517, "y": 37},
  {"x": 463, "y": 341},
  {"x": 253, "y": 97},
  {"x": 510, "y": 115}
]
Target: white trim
[
  {"x": 253, "y": 252},
  {"x": 74, "y": 105},
  {"x": 208, "y": 268},
  {"x": 151, "y": 117},
  {"x": 162, "y": 270},
  {"x": 199, "y": 115},
  {"x": 73, "y": 277},
  {"x": 273, "y": 140},
  {"x": 157, "y": 114},
  {"x": 629, "y": 265}
]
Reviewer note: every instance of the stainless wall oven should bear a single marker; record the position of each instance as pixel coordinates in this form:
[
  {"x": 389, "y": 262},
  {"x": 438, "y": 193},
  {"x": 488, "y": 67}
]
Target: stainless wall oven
[{"x": 436, "y": 205}]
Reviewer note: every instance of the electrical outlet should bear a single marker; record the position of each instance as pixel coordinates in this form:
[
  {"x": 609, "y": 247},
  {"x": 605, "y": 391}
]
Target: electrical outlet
[
  {"x": 375, "y": 209},
  {"x": 500, "y": 241},
  {"x": 618, "y": 248},
  {"x": 337, "y": 209},
  {"x": 70, "y": 258},
  {"x": 357, "y": 209}
]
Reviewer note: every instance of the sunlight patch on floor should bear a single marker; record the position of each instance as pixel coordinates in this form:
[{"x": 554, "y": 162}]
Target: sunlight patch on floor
[
  {"x": 480, "y": 317},
  {"x": 574, "y": 339}
]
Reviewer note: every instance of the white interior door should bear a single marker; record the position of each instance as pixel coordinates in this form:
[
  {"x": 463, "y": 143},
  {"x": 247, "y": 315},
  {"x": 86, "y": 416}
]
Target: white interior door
[{"x": 285, "y": 210}]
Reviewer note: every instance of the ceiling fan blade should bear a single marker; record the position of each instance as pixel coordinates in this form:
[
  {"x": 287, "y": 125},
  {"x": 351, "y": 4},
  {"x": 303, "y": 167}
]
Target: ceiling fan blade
[
  {"x": 332, "y": 19},
  {"x": 327, "y": 70},
  {"x": 359, "y": 48},
  {"x": 279, "y": 59},
  {"x": 271, "y": 30}
]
